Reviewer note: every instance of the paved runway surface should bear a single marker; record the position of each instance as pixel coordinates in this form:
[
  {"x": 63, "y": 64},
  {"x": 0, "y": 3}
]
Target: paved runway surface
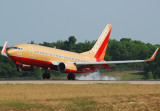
[{"x": 74, "y": 82}]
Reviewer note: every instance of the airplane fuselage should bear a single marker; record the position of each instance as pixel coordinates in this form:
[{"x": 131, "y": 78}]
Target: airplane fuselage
[{"x": 44, "y": 57}]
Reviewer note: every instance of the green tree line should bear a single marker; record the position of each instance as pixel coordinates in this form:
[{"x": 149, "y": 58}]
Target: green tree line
[{"x": 125, "y": 49}]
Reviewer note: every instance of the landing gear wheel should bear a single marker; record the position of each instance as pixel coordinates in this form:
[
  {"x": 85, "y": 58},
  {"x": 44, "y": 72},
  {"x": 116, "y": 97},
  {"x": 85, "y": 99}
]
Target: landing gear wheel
[
  {"x": 46, "y": 76},
  {"x": 71, "y": 76}
]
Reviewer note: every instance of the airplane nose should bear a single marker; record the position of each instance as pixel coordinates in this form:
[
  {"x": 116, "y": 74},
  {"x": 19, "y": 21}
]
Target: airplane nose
[{"x": 11, "y": 52}]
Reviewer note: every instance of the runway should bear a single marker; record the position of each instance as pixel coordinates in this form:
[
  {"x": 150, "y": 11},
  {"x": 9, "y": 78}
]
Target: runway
[{"x": 75, "y": 82}]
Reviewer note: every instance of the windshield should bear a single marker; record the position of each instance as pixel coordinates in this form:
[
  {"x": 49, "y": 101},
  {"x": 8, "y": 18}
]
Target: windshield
[
  {"x": 14, "y": 48},
  {"x": 19, "y": 48}
]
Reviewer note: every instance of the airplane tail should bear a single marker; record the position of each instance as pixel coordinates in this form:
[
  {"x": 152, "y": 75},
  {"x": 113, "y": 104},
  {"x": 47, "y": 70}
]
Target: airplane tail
[
  {"x": 99, "y": 49},
  {"x": 3, "y": 52}
]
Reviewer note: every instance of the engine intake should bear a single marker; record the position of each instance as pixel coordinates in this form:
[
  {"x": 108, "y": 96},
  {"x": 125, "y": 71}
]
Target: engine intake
[{"x": 67, "y": 67}]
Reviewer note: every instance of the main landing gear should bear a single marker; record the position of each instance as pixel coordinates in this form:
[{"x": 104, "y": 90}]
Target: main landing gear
[
  {"x": 71, "y": 76},
  {"x": 46, "y": 75}
]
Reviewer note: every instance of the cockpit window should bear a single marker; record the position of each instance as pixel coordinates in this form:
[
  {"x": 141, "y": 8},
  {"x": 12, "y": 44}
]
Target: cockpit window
[
  {"x": 14, "y": 47},
  {"x": 19, "y": 48}
]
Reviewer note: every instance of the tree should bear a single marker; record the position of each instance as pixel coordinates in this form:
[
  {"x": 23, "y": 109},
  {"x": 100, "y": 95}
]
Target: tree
[
  {"x": 125, "y": 40},
  {"x": 72, "y": 40},
  {"x": 149, "y": 75}
]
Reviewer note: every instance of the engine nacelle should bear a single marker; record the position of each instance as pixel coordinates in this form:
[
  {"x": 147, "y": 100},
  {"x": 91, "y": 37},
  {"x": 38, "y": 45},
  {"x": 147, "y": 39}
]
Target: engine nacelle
[
  {"x": 27, "y": 67},
  {"x": 67, "y": 67}
]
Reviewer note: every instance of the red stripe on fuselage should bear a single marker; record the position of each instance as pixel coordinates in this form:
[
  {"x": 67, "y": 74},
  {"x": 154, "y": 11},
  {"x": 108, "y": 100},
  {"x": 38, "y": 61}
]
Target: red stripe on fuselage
[{"x": 31, "y": 61}]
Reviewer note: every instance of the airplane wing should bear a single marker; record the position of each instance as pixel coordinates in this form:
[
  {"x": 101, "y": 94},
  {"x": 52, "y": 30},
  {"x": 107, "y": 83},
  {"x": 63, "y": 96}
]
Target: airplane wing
[
  {"x": 93, "y": 66},
  {"x": 118, "y": 62}
]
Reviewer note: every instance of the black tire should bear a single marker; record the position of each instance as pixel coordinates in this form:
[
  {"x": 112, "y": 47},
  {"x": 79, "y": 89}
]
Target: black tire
[
  {"x": 69, "y": 77},
  {"x": 48, "y": 76},
  {"x": 44, "y": 76},
  {"x": 73, "y": 77}
]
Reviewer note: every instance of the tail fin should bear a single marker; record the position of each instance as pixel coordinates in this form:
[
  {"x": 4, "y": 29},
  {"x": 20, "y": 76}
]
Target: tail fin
[
  {"x": 99, "y": 49},
  {"x": 3, "y": 52}
]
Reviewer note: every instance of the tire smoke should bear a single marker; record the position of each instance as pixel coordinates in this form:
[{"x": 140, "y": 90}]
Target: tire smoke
[{"x": 96, "y": 76}]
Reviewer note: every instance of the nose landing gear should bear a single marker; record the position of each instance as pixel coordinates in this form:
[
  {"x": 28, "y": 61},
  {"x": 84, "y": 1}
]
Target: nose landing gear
[{"x": 19, "y": 67}]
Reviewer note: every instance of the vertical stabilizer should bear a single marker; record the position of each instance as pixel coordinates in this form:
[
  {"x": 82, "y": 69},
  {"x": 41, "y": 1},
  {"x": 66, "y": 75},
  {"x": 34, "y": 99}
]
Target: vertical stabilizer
[
  {"x": 3, "y": 52},
  {"x": 99, "y": 49}
]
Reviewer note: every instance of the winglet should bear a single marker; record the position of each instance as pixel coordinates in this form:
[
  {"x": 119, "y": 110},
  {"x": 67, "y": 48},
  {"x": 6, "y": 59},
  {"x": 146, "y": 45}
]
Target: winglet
[
  {"x": 3, "y": 52},
  {"x": 153, "y": 56}
]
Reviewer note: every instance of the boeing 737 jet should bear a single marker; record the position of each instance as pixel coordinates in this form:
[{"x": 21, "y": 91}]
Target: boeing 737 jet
[{"x": 28, "y": 56}]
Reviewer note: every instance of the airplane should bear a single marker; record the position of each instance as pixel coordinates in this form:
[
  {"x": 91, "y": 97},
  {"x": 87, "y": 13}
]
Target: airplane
[{"x": 28, "y": 56}]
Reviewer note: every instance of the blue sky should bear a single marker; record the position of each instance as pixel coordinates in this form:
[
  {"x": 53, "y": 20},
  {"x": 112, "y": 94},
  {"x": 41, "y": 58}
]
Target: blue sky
[{"x": 50, "y": 20}]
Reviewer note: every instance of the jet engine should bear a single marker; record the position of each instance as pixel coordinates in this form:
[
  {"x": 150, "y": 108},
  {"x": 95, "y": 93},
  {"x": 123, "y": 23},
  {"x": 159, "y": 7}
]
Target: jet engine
[{"x": 67, "y": 67}]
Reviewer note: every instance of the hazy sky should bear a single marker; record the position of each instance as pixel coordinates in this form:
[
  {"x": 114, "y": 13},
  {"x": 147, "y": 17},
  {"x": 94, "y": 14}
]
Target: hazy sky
[{"x": 50, "y": 20}]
